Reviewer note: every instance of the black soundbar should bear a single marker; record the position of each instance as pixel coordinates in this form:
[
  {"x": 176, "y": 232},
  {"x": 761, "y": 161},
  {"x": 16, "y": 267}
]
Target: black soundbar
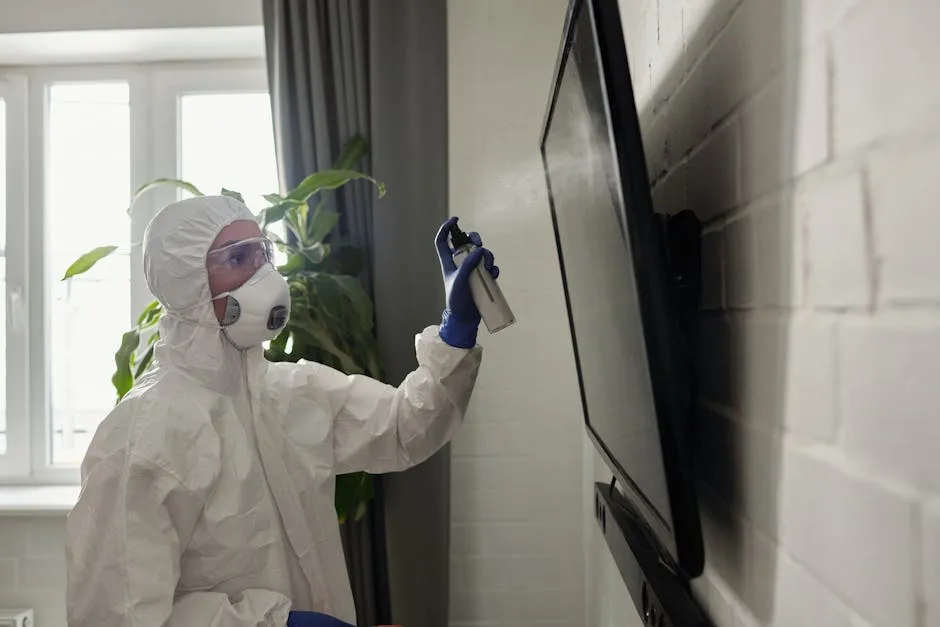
[{"x": 660, "y": 592}]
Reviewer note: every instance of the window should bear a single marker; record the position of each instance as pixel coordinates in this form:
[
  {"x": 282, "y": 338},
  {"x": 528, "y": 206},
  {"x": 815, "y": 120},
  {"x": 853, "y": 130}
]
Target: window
[
  {"x": 3, "y": 239},
  {"x": 87, "y": 182},
  {"x": 14, "y": 398},
  {"x": 92, "y": 136},
  {"x": 212, "y": 156}
]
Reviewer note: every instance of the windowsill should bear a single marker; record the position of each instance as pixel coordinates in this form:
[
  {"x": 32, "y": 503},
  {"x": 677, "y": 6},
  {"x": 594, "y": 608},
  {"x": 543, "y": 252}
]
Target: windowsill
[{"x": 37, "y": 500}]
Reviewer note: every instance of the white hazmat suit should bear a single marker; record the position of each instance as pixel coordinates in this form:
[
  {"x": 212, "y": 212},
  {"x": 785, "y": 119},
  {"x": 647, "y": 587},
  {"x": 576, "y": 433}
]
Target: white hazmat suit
[{"x": 207, "y": 493}]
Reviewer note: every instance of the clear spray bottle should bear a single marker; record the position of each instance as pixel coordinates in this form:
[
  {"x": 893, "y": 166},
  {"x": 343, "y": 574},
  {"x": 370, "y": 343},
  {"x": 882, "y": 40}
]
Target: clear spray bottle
[{"x": 487, "y": 296}]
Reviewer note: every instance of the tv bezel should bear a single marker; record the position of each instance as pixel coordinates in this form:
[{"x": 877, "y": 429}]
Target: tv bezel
[{"x": 669, "y": 361}]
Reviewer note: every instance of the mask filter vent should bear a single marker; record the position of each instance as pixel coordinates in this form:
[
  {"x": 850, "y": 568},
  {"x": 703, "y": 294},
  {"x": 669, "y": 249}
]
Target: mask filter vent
[
  {"x": 278, "y": 318},
  {"x": 233, "y": 311}
]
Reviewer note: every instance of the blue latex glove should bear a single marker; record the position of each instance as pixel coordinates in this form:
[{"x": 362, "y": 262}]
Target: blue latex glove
[
  {"x": 314, "y": 619},
  {"x": 461, "y": 319}
]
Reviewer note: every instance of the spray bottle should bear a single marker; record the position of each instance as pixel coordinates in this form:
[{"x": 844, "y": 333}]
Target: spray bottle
[{"x": 487, "y": 296}]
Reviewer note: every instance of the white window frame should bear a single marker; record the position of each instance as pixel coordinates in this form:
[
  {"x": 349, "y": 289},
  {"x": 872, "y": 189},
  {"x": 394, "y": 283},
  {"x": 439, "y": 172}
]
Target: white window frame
[
  {"x": 154, "y": 107},
  {"x": 169, "y": 82},
  {"x": 15, "y": 460},
  {"x": 41, "y": 274}
]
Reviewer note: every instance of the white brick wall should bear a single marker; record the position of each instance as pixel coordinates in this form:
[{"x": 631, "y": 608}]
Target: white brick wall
[
  {"x": 806, "y": 134},
  {"x": 930, "y": 559},
  {"x": 517, "y": 557},
  {"x": 32, "y": 566}
]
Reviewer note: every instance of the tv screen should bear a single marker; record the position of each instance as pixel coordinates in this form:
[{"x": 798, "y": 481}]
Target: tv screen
[{"x": 632, "y": 369}]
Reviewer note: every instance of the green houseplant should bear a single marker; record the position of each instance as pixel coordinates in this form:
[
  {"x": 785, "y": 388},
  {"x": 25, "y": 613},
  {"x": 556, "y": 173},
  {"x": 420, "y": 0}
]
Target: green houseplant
[{"x": 331, "y": 313}]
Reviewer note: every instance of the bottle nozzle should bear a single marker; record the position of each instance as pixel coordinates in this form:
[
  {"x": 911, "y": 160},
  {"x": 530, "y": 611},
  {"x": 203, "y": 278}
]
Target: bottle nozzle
[{"x": 458, "y": 238}]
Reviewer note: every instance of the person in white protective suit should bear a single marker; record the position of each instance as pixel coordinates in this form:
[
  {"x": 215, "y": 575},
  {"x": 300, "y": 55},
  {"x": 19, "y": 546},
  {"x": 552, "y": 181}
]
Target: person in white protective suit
[{"x": 208, "y": 492}]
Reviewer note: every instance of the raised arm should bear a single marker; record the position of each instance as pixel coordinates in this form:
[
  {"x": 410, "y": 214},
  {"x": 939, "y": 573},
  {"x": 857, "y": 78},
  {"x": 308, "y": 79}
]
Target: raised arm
[{"x": 379, "y": 428}]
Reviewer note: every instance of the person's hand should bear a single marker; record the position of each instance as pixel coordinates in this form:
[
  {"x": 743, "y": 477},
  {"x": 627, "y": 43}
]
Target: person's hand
[{"x": 461, "y": 318}]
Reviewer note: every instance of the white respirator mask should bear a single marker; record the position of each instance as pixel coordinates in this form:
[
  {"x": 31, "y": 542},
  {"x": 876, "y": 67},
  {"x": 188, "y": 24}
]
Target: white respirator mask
[{"x": 257, "y": 311}]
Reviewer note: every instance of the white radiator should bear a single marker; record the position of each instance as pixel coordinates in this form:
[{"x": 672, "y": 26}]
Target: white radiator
[{"x": 16, "y": 618}]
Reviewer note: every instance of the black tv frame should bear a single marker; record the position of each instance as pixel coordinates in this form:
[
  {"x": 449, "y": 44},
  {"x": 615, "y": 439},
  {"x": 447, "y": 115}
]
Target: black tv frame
[{"x": 665, "y": 253}]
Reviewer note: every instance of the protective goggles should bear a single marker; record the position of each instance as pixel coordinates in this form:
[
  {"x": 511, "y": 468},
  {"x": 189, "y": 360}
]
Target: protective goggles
[{"x": 247, "y": 253}]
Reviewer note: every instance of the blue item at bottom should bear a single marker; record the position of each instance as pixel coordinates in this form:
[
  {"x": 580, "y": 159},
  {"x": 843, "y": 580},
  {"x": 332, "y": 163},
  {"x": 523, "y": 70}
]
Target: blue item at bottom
[{"x": 314, "y": 619}]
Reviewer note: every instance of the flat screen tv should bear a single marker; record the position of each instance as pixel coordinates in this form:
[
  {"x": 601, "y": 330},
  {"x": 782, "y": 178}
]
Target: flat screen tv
[{"x": 627, "y": 278}]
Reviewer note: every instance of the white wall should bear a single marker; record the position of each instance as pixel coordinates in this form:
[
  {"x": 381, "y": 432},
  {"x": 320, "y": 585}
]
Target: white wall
[
  {"x": 805, "y": 134},
  {"x": 30, "y": 16},
  {"x": 517, "y": 553},
  {"x": 32, "y": 566}
]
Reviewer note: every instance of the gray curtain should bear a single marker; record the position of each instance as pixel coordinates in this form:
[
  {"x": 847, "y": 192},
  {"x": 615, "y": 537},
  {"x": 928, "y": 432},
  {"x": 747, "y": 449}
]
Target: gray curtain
[
  {"x": 408, "y": 49},
  {"x": 378, "y": 68},
  {"x": 318, "y": 72}
]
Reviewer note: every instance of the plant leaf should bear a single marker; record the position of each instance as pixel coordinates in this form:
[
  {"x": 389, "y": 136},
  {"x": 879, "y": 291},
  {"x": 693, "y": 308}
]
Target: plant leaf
[
  {"x": 329, "y": 179},
  {"x": 367, "y": 485},
  {"x": 345, "y": 494},
  {"x": 318, "y": 333},
  {"x": 233, "y": 194},
  {"x": 330, "y": 302},
  {"x": 277, "y": 210},
  {"x": 353, "y": 493},
  {"x": 353, "y": 152},
  {"x": 361, "y": 510},
  {"x": 150, "y": 315},
  {"x": 274, "y": 237},
  {"x": 362, "y": 491},
  {"x": 277, "y": 350},
  {"x": 123, "y": 379},
  {"x": 294, "y": 264},
  {"x": 343, "y": 259},
  {"x": 374, "y": 368},
  {"x": 301, "y": 216},
  {"x": 317, "y": 252},
  {"x": 87, "y": 261},
  {"x": 293, "y": 226},
  {"x": 271, "y": 214},
  {"x": 146, "y": 187},
  {"x": 144, "y": 362},
  {"x": 321, "y": 224},
  {"x": 357, "y": 295}
]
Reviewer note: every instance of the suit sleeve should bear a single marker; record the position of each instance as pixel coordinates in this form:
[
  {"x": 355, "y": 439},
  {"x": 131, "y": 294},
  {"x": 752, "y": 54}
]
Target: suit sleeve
[{"x": 379, "y": 428}]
